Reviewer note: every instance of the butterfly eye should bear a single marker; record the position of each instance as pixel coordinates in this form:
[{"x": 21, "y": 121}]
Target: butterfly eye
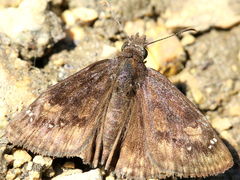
[{"x": 145, "y": 53}]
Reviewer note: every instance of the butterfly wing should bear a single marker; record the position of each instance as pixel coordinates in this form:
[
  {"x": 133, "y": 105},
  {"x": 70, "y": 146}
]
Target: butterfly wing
[
  {"x": 168, "y": 136},
  {"x": 65, "y": 120}
]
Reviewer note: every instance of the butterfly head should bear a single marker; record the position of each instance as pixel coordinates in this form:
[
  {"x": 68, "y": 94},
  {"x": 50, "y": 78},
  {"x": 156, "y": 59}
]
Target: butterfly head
[{"x": 135, "y": 46}]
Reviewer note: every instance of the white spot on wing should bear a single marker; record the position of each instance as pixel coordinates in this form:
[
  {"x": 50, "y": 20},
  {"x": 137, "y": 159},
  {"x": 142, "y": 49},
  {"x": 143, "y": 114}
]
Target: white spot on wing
[
  {"x": 189, "y": 148},
  {"x": 214, "y": 139},
  {"x": 28, "y": 111},
  {"x": 210, "y": 147},
  {"x": 212, "y": 142},
  {"x": 62, "y": 124},
  {"x": 50, "y": 126},
  {"x": 31, "y": 119}
]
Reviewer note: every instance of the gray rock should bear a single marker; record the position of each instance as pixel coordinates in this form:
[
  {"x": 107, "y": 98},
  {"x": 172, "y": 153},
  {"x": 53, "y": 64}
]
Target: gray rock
[
  {"x": 203, "y": 14},
  {"x": 212, "y": 74},
  {"x": 31, "y": 27}
]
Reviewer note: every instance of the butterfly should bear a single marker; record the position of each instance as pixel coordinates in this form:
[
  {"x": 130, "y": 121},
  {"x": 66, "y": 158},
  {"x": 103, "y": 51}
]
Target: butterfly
[{"x": 122, "y": 116}]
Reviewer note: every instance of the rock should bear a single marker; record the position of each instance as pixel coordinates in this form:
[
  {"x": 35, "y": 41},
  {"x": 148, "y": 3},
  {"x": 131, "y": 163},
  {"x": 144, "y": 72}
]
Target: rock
[
  {"x": 20, "y": 157},
  {"x": 68, "y": 174},
  {"x": 108, "y": 51},
  {"x": 9, "y": 158},
  {"x": 43, "y": 161},
  {"x": 202, "y": 14},
  {"x": 19, "y": 83},
  {"x": 110, "y": 177},
  {"x": 11, "y": 3},
  {"x": 76, "y": 33},
  {"x": 71, "y": 174},
  {"x": 69, "y": 18},
  {"x": 38, "y": 29},
  {"x": 221, "y": 124},
  {"x": 4, "y": 164},
  {"x": 232, "y": 108},
  {"x": 80, "y": 15},
  {"x": 34, "y": 175},
  {"x": 187, "y": 40},
  {"x": 49, "y": 172},
  {"x": 209, "y": 75},
  {"x": 29, "y": 166},
  {"x": 13, "y": 173},
  {"x": 69, "y": 165},
  {"x": 133, "y": 27}
]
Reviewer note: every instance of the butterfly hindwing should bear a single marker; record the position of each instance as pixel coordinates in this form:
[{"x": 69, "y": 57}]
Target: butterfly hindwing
[
  {"x": 64, "y": 120},
  {"x": 173, "y": 137}
]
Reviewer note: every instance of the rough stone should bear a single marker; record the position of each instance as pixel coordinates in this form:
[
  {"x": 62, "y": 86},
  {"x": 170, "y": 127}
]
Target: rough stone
[
  {"x": 9, "y": 3},
  {"x": 203, "y": 14},
  {"x": 221, "y": 124},
  {"x": 75, "y": 174},
  {"x": 38, "y": 30},
  {"x": 34, "y": 175},
  {"x": 188, "y": 39},
  {"x": 69, "y": 165},
  {"x": 43, "y": 161},
  {"x": 80, "y": 15},
  {"x": 13, "y": 173},
  {"x": 18, "y": 81},
  {"x": 20, "y": 157},
  {"x": 212, "y": 74},
  {"x": 9, "y": 158}
]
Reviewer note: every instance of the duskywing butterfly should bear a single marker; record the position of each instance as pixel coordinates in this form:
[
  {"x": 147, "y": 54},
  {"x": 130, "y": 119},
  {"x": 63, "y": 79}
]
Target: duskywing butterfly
[{"x": 123, "y": 116}]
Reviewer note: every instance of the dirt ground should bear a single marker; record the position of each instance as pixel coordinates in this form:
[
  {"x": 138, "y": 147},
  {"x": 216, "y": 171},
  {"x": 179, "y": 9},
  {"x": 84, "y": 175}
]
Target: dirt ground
[{"x": 43, "y": 42}]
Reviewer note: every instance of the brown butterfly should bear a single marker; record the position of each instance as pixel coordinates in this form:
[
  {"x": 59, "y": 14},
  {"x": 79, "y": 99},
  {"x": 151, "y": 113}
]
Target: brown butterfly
[{"x": 121, "y": 115}]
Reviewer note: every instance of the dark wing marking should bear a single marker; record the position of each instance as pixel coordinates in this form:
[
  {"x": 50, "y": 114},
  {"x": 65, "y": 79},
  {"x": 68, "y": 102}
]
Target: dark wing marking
[
  {"x": 65, "y": 120},
  {"x": 168, "y": 136}
]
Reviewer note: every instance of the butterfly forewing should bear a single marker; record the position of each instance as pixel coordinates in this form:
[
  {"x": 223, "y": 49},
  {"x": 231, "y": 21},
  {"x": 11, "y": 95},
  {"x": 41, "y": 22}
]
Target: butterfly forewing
[
  {"x": 173, "y": 137},
  {"x": 64, "y": 120}
]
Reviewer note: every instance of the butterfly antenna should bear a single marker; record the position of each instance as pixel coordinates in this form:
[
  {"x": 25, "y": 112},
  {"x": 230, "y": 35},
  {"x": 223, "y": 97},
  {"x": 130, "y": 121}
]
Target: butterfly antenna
[
  {"x": 175, "y": 34},
  {"x": 108, "y": 4}
]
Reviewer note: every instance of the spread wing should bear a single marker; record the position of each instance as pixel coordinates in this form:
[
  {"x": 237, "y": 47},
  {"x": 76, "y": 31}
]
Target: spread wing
[
  {"x": 168, "y": 136},
  {"x": 65, "y": 120}
]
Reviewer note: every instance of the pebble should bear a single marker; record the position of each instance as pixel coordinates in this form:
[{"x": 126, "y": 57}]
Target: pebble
[
  {"x": 69, "y": 165},
  {"x": 68, "y": 173},
  {"x": 29, "y": 166},
  {"x": 108, "y": 51},
  {"x": 188, "y": 40},
  {"x": 20, "y": 157},
  {"x": 71, "y": 174},
  {"x": 43, "y": 161},
  {"x": 167, "y": 56},
  {"x": 221, "y": 124},
  {"x": 234, "y": 110},
  {"x": 194, "y": 14},
  {"x": 133, "y": 27},
  {"x": 12, "y": 173},
  {"x": 11, "y": 3},
  {"x": 76, "y": 33},
  {"x": 32, "y": 26},
  {"x": 34, "y": 175},
  {"x": 9, "y": 158},
  {"x": 110, "y": 177},
  {"x": 49, "y": 172},
  {"x": 80, "y": 15}
]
